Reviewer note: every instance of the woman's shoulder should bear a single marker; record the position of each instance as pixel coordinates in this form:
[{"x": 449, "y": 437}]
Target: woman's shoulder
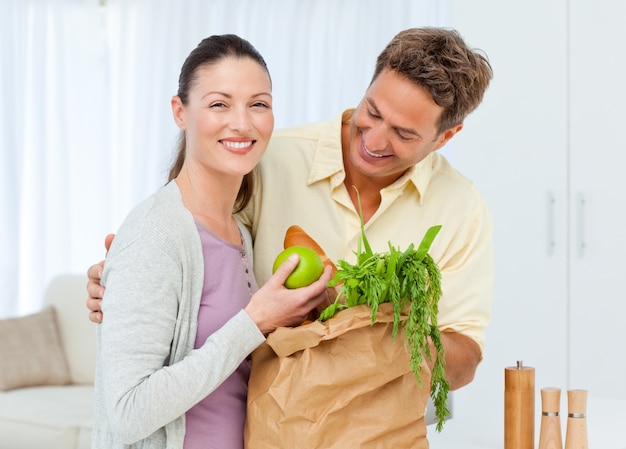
[
  {"x": 164, "y": 207},
  {"x": 161, "y": 218}
]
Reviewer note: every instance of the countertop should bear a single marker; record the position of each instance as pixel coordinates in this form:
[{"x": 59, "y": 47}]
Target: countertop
[{"x": 606, "y": 429}]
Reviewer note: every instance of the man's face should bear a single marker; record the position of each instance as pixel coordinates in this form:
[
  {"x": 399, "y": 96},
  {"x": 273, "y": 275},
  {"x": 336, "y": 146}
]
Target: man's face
[{"x": 393, "y": 128}]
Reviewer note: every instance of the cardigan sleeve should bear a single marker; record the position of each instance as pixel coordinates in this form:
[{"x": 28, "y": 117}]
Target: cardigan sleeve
[{"x": 146, "y": 362}]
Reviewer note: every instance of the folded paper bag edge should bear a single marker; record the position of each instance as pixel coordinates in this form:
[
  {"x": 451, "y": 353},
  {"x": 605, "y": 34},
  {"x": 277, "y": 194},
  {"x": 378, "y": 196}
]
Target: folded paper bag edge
[{"x": 286, "y": 341}]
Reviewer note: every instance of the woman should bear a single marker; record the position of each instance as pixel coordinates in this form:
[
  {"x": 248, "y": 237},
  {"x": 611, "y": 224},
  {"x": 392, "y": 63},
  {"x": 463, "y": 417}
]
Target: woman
[{"x": 183, "y": 308}]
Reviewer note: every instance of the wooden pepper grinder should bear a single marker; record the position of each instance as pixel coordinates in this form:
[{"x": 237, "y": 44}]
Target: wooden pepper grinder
[
  {"x": 519, "y": 407},
  {"x": 576, "y": 435},
  {"x": 550, "y": 432}
]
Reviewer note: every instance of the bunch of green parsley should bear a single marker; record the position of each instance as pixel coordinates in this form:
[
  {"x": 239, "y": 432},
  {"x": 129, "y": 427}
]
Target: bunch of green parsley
[{"x": 408, "y": 279}]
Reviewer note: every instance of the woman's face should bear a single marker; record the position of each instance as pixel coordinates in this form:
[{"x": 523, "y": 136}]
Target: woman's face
[{"x": 228, "y": 119}]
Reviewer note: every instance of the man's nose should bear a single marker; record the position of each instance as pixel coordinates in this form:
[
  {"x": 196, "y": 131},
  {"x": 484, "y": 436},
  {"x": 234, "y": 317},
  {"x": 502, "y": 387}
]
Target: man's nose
[{"x": 376, "y": 138}]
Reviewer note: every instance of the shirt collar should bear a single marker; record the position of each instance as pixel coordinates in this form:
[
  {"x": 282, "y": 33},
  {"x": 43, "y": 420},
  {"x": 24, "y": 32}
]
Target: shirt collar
[
  {"x": 419, "y": 176},
  {"x": 327, "y": 161}
]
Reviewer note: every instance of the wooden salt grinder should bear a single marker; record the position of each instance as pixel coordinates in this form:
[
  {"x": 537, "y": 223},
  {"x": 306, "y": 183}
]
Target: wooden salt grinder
[
  {"x": 519, "y": 407},
  {"x": 576, "y": 434},
  {"x": 550, "y": 432}
]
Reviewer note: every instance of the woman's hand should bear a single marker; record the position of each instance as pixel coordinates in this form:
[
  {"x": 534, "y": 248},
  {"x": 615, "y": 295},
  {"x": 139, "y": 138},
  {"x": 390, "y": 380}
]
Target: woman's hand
[
  {"x": 94, "y": 289},
  {"x": 274, "y": 305}
]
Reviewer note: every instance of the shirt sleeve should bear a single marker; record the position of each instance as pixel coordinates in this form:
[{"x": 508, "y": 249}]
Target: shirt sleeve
[{"x": 467, "y": 279}]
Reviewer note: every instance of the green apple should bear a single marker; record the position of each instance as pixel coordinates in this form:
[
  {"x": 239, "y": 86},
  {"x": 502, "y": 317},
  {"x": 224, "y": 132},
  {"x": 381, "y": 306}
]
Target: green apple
[{"x": 308, "y": 270}]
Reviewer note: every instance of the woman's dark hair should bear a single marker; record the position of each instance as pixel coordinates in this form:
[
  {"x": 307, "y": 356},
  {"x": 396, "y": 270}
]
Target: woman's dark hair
[{"x": 210, "y": 51}]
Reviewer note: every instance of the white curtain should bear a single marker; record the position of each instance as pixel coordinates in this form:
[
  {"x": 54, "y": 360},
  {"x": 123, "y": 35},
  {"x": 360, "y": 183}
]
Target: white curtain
[{"x": 85, "y": 124}]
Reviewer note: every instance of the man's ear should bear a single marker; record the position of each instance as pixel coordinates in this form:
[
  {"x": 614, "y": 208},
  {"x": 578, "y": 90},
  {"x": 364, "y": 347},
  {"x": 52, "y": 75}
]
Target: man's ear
[
  {"x": 447, "y": 135},
  {"x": 178, "y": 111}
]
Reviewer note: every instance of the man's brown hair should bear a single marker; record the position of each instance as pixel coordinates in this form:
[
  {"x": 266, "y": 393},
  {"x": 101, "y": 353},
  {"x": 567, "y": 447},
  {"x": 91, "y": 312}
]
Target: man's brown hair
[{"x": 438, "y": 60}]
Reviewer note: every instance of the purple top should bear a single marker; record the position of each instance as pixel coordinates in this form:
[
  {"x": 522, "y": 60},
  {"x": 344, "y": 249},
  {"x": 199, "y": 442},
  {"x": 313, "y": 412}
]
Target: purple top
[{"x": 217, "y": 421}]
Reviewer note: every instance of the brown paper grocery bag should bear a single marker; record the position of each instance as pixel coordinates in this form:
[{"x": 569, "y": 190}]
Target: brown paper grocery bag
[{"x": 339, "y": 384}]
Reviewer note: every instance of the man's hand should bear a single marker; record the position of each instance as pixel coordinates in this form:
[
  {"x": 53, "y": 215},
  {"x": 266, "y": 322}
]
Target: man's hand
[
  {"x": 94, "y": 289},
  {"x": 462, "y": 358}
]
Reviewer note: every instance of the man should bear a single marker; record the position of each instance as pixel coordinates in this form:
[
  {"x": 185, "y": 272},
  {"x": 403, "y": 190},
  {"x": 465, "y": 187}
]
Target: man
[{"x": 425, "y": 83}]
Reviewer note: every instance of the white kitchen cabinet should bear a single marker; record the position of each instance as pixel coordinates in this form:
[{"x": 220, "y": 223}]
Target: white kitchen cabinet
[
  {"x": 597, "y": 142},
  {"x": 546, "y": 148}
]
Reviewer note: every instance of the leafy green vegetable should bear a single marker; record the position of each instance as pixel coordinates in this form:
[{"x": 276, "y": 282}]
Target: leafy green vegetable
[{"x": 408, "y": 279}]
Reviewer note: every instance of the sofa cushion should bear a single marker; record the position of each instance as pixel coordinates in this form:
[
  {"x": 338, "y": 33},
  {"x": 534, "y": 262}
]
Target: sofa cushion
[
  {"x": 67, "y": 293},
  {"x": 47, "y": 417},
  {"x": 31, "y": 351}
]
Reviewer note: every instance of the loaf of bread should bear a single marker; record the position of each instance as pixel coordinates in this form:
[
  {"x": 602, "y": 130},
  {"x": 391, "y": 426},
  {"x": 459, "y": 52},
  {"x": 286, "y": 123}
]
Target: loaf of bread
[{"x": 296, "y": 236}]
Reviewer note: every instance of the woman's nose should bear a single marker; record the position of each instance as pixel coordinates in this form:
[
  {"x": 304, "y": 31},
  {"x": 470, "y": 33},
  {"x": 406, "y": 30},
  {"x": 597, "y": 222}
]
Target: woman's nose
[{"x": 241, "y": 120}]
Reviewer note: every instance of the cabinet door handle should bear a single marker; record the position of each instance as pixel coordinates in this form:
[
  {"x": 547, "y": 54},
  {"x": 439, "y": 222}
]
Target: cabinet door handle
[
  {"x": 550, "y": 243},
  {"x": 582, "y": 244}
]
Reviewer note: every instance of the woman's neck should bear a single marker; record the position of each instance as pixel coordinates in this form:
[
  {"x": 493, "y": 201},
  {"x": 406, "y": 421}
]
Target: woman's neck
[{"x": 211, "y": 200}]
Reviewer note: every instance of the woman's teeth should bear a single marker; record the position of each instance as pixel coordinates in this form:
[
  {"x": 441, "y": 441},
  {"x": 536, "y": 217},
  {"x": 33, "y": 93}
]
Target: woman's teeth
[{"x": 236, "y": 145}]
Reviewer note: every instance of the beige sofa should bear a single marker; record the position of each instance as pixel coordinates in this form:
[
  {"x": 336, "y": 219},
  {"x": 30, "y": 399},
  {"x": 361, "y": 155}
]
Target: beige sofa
[{"x": 54, "y": 409}]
